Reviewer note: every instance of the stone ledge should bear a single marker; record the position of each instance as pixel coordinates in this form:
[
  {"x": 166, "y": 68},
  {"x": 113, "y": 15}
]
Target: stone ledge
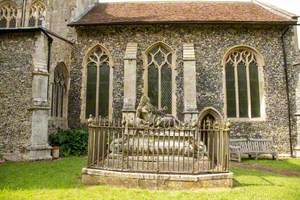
[{"x": 155, "y": 181}]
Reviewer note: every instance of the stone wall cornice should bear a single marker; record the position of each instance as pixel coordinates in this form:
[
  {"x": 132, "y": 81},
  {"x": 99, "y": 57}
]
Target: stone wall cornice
[
  {"x": 39, "y": 108},
  {"x": 40, "y": 73}
]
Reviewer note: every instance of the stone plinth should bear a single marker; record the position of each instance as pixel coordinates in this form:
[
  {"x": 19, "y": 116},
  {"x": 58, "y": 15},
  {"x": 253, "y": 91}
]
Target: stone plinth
[
  {"x": 297, "y": 148},
  {"x": 156, "y": 181}
]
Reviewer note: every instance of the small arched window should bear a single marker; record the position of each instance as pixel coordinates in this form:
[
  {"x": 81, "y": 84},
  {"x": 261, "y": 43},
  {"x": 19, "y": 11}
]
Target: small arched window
[
  {"x": 8, "y": 15},
  {"x": 243, "y": 78},
  {"x": 159, "y": 76},
  {"x": 37, "y": 14},
  {"x": 59, "y": 89},
  {"x": 98, "y": 83}
]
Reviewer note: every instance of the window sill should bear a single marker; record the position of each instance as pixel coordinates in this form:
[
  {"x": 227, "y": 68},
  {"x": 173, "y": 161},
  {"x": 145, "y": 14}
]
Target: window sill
[
  {"x": 246, "y": 119},
  {"x": 57, "y": 118}
]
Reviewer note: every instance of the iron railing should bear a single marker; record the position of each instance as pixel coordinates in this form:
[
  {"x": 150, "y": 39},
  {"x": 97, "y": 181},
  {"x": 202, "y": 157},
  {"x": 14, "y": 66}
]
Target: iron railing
[{"x": 113, "y": 146}]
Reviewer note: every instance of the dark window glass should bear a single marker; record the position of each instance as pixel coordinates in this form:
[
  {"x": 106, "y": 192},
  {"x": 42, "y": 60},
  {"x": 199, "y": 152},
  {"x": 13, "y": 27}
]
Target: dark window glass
[
  {"x": 153, "y": 85},
  {"x": 31, "y": 22},
  {"x": 62, "y": 101},
  {"x": 243, "y": 95},
  {"x": 58, "y": 92},
  {"x": 254, "y": 87},
  {"x": 40, "y": 21},
  {"x": 12, "y": 23},
  {"x": 3, "y": 23},
  {"x": 230, "y": 91},
  {"x": 166, "y": 88},
  {"x": 91, "y": 89},
  {"x": 104, "y": 90},
  {"x": 159, "y": 58},
  {"x": 53, "y": 102}
]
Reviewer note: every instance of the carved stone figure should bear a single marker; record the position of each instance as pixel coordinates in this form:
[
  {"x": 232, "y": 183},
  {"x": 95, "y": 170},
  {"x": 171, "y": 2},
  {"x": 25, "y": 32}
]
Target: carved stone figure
[{"x": 147, "y": 114}]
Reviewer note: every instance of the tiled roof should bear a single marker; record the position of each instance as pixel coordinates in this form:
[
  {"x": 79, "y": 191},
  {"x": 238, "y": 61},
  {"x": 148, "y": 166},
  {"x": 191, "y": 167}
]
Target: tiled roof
[{"x": 178, "y": 12}]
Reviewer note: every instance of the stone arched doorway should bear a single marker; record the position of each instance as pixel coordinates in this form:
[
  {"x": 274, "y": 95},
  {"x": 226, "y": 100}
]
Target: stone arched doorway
[
  {"x": 208, "y": 116},
  {"x": 209, "y": 119}
]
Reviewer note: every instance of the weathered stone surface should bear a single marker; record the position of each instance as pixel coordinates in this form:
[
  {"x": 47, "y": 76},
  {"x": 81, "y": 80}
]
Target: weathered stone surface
[
  {"x": 156, "y": 181},
  {"x": 16, "y": 65},
  {"x": 24, "y": 93},
  {"x": 211, "y": 43}
]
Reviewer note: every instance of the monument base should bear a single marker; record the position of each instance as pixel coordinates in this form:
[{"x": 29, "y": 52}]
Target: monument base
[
  {"x": 156, "y": 181},
  {"x": 36, "y": 153}
]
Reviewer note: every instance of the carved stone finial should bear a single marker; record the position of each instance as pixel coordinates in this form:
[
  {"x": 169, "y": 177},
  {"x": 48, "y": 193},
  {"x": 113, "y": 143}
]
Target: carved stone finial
[{"x": 90, "y": 120}]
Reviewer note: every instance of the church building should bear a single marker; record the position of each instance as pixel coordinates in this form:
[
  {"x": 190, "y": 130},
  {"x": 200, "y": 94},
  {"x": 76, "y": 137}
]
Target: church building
[{"x": 64, "y": 61}]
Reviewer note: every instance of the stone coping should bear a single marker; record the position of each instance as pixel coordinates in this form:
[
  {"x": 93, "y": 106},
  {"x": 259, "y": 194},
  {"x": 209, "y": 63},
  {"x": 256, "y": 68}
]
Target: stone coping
[{"x": 156, "y": 181}]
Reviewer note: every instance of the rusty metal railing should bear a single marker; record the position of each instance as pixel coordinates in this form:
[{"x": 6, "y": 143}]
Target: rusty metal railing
[{"x": 113, "y": 146}]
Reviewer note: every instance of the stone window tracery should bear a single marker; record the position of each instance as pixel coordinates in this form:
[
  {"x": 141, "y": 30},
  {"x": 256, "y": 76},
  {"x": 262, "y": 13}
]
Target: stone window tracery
[
  {"x": 37, "y": 14},
  {"x": 99, "y": 83},
  {"x": 59, "y": 89},
  {"x": 159, "y": 77},
  {"x": 8, "y": 15},
  {"x": 243, "y": 75}
]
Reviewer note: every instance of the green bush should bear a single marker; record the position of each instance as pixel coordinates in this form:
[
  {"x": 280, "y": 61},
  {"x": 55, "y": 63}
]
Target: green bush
[{"x": 71, "y": 143}]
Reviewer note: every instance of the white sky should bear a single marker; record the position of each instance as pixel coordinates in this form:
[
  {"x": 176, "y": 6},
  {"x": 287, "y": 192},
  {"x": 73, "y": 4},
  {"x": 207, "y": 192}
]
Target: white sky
[{"x": 292, "y": 6}]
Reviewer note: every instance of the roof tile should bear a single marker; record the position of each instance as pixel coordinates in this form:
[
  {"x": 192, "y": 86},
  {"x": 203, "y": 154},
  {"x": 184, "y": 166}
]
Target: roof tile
[{"x": 189, "y": 12}]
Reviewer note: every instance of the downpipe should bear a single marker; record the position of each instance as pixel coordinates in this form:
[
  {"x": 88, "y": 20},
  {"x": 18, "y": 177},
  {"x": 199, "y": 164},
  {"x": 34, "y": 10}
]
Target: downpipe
[{"x": 287, "y": 87}]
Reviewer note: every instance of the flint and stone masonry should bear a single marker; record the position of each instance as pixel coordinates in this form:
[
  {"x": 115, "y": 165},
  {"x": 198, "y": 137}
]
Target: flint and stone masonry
[
  {"x": 24, "y": 99},
  {"x": 204, "y": 70}
]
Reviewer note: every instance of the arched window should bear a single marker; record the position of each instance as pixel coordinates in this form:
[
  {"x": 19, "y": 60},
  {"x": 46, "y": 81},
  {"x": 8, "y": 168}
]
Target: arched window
[
  {"x": 98, "y": 83},
  {"x": 37, "y": 14},
  {"x": 159, "y": 75},
  {"x": 59, "y": 89},
  {"x": 8, "y": 15},
  {"x": 243, "y": 80}
]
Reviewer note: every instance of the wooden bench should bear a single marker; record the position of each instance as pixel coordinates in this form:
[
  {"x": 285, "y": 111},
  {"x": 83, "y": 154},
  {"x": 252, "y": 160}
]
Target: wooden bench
[{"x": 251, "y": 147}]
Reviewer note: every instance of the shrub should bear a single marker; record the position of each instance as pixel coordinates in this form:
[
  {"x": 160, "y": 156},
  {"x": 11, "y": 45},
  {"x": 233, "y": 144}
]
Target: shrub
[{"x": 71, "y": 142}]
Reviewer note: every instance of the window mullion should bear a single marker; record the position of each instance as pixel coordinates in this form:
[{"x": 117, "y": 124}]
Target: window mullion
[
  {"x": 7, "y": 22},
  {"x": 248, "y": 89},
  {"x": 97, "y": 91},
  {"x": 236, "y": 80}
]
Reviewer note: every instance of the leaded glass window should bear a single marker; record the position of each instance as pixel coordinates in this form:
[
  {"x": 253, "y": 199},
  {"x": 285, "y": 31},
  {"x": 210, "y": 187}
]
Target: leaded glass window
[
  {"x": 159, "y": 69},
  {"x": 242, "y": 84},
  {"x": 8, "y": 15},
  {"x": 59, "y": 90},
  {"x": 98, "y": 83},
  {"x": 37, "y": 14}
]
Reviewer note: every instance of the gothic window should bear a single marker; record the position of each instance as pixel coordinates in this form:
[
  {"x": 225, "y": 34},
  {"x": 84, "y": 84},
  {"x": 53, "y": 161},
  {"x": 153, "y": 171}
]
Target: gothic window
[
  {"x": 243, "y": 90},
  {"x": 37, "y": 14},
  {"x": 59, "y": 89},
  {"x": 8, "y": 15},
  {"x": 98, "y": 84},
  {"x": 159, "y": 75}
]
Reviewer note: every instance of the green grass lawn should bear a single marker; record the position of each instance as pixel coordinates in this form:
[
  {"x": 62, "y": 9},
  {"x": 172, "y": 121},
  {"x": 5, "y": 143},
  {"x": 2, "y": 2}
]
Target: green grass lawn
[{"x": 61, "y": 180}]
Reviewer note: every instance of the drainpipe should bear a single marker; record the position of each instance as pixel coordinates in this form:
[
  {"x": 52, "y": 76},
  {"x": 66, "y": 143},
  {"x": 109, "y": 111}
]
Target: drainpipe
[
  {"x": 287, "y": 87},
  {"x": 50, "y": 41}
]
